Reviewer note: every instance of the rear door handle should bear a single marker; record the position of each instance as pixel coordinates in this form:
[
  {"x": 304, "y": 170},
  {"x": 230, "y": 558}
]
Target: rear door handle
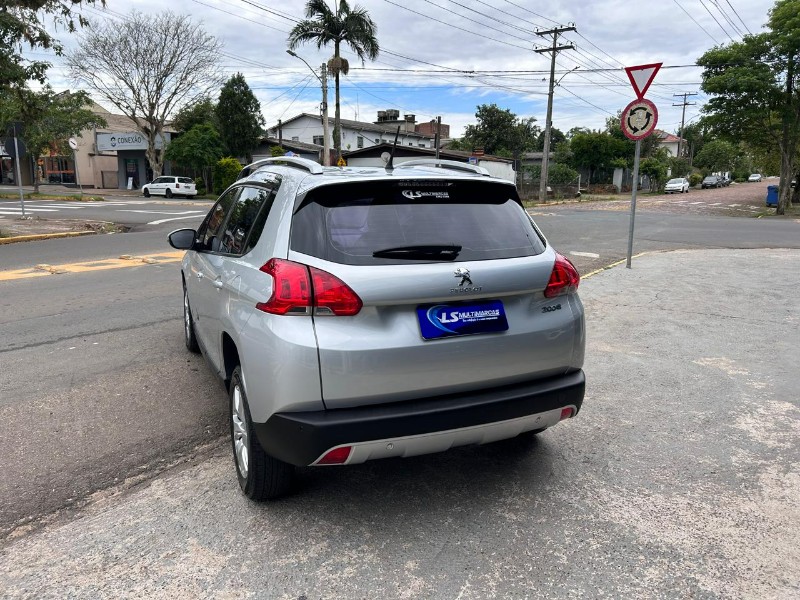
[
  {"x": 199, "y": 275},
  {"x": 217, "y": 284}
]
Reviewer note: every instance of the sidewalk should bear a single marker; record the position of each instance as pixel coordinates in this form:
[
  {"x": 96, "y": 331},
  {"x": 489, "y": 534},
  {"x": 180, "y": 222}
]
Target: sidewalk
[{"x": 679, "y": 478}]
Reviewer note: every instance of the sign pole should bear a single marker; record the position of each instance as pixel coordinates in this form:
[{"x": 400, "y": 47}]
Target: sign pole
[
  {"x": 634, "y": 189},
  {"x": 19, "y": 175}
]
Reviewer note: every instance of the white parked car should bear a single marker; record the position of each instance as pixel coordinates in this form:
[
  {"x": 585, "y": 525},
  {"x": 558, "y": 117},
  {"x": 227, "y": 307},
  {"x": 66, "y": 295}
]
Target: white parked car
[
  {"x": 678, "y": 185},
  {"x": 755, "y": 177},
  {"x": 170, "y": 186}
]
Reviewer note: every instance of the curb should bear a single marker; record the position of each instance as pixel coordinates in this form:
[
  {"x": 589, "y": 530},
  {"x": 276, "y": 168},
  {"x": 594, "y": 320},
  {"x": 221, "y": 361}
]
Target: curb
[{"x": 43, "y": 236}]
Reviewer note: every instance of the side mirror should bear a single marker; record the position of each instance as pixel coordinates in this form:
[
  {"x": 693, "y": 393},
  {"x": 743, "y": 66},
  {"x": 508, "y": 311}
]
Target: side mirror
[{"x": 182, "y": 239}]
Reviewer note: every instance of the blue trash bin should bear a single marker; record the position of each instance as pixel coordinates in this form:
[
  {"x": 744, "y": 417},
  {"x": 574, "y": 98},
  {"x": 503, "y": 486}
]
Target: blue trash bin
[{"x": 772, "y": 195}]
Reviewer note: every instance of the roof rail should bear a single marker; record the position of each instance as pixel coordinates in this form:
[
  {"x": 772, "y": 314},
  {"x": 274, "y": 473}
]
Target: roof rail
[
  {"x": 445, "y": 164},
  {"x": 289, "y": 161}
]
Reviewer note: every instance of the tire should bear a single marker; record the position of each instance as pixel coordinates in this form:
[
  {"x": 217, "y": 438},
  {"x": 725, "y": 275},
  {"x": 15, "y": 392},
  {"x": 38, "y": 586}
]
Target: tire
[
  {"x": 261, "y": 477},
  {"x": 188, "y": 325},
  {"x": 146, "y": 193},
  {"x": 168, "y": 193}
]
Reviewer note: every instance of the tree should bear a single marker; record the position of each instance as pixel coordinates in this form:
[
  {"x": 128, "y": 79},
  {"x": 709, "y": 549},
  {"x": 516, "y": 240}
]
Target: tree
[
  {"x": 499, "y": 132},
  {"x": 50, "y": 119},
  {"x": 350, "y": 26},
  {"x": 226, "y": 170},
  {"x": 718, "y": 155},
  {"x": 148, "y": 66},
  {"x": 754, "y": 90},
  {"x": 202, "y": 112},
  {"x": 198, "y": 149},
  {"x": 656, "y": 170},
  {"x": 556, "y": 137},
  {"x": 596, "y": 150},
  {"x": 20, "y": 24},
  {"x": 239, "y": 115}
]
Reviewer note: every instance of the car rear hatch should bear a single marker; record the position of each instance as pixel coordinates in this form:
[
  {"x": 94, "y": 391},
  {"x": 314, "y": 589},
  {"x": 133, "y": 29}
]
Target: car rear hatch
[
  {"x": 185, "y": 184},
  {"x": 451, "y": 278}
]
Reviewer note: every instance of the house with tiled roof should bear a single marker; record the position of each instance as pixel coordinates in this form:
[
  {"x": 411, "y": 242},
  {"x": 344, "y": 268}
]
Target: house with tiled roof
[
  {"x": 307, "y": 128},
  {"x": 671, "y": 142}
]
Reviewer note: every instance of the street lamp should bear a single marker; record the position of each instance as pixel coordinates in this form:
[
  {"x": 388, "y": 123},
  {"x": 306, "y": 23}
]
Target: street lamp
[{"x": 326, "y": 144}]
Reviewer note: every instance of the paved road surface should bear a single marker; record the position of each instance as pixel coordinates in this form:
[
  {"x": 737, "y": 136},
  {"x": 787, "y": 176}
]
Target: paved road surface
[{"x": 679, "y": 479}]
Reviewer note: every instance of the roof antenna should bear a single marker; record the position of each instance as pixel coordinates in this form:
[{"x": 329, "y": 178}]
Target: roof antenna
[{"x": 390, "y": 165}]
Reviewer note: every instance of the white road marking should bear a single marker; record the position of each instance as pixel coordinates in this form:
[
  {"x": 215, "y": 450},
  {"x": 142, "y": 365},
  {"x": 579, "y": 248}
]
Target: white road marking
[
  {"x": 163, "y": 212},
  {"x": 586, "y": 254},
  {"x": 18, "y": 211},
  {"x": 695, "y": 203},
  {"x": 735, "y": 205},
  {"x": 175, "y": 219},
  {"x": 716, "y": 204}
]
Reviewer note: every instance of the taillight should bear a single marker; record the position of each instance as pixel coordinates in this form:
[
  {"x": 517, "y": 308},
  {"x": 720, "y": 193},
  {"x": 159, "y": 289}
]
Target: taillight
[
  {"x": 564, "y": 279},
  {"x": 566, "y": 413},
  {"x": 297, "y": 289}
]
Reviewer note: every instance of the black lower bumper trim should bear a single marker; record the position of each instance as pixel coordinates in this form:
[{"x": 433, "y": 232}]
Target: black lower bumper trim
[{"x": 300, "y": 438}]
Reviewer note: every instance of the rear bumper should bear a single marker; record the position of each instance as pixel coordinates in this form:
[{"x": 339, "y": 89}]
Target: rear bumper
[{"x": 301, "y": 438}]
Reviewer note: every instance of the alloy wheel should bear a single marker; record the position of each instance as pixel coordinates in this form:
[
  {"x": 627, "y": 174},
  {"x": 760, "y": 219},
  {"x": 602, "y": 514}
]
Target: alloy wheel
[{"x": 240, "y": 435}]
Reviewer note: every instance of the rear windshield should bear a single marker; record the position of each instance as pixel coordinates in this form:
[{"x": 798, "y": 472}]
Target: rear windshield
[
  {"x": 348, "y": 223},
  {"x": 185, "y": 180}
]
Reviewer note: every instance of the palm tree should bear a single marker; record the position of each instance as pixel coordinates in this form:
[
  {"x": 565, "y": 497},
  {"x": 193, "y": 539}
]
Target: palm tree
[{"x": 351, "y": 26}]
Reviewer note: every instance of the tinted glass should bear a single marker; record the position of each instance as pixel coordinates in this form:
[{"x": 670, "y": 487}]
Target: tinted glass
[
  {"x": 208, "y": 234},
  {"x": 252, "y": 206},
  {"x": 347, "y": 223},
  {"x": 185, "y": 180}
]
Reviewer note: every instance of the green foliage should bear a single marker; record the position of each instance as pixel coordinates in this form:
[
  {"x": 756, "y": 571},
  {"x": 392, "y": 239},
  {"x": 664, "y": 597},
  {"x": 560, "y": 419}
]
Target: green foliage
[
  {"x": 277, "y": 151},
  {"x": 655, "y": 170},
  {"x": 226, "y": 170},
  {"x": 199, "y": 147},
  {"x": 342, "y": 25},
  {"x": 679, "y": 166},
  {"x": 562, "y": 152},
  {"x": 202, "y": 112},
  {"x": 239, "y": 115},
  {"x": 718, "y": 155},
  {"x": 20, "y": 25},
  {"x": 499, "y": 132},
  {"x": 561, "y": 174},
  {"x": 596, "y": 150},
  {"x": 532, "y": 172},
  {"x": 200, "y": 184},
  {"x": 556, "y": 137},
  {"x": 695, "y": 179},
  {"x": 753, "y": 86},
  {"x": 49, "y": 119}
]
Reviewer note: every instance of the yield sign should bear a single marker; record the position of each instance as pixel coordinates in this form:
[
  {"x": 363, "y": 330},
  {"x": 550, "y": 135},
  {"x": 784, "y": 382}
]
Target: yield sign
[{"x": 641, "y": 77}]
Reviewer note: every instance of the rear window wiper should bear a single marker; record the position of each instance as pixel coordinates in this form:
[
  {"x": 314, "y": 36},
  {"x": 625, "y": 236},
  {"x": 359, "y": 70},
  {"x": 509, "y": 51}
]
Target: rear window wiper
[{"x": 420, "y": 252}]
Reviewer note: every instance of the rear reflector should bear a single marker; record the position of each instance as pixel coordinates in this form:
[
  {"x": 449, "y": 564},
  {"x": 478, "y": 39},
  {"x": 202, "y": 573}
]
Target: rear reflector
[
  {"x": 564, "y": 279},
  {"x": 566, "y": 413},
  {"x": 337, "y": 456}
]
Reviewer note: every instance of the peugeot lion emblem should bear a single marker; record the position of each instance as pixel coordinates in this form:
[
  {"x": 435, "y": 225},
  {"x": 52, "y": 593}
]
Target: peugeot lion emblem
[{"x": 464, "y": 275}]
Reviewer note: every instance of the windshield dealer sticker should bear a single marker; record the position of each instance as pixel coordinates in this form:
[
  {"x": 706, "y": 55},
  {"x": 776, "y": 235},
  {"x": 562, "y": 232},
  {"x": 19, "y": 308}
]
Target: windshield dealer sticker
[{"x": 416, "y": 194}]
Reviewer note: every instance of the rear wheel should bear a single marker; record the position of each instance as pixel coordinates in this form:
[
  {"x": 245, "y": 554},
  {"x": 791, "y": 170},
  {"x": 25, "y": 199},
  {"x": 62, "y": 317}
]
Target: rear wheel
[
  {"x": 261, "y": 476},
  {"x": 168, "y": 193},
  {"x": 146, "y": 193}
]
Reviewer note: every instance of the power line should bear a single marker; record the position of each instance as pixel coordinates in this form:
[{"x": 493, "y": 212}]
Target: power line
[
  {"x": 716, "y": 20},
  {"x": 713, "y": 39},
  {"x": 740, "y": 18}
]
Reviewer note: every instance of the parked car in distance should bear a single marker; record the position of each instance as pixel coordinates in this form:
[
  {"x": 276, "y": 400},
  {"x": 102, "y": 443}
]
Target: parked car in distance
[
  {"x": 712, "y": 181},
  {"x": 678, "y": 185},
  {"x": 169, "y": 186},
  {"x": 755, "y": 177},
  {"x": 361, "y": 313},
  {"x": 724, "y": 181}
]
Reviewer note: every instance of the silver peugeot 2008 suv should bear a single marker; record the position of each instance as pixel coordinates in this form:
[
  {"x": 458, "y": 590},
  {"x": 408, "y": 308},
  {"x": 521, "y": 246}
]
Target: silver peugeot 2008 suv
[{"x": 363, "y": 313}]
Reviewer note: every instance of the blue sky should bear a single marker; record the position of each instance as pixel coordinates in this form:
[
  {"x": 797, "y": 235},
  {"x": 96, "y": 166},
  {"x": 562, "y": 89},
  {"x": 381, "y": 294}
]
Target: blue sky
[{"x": 444, "y": 57}]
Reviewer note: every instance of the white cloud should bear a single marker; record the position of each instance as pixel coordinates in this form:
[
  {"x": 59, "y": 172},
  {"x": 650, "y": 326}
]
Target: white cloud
[{"x": 610, "y": 33}]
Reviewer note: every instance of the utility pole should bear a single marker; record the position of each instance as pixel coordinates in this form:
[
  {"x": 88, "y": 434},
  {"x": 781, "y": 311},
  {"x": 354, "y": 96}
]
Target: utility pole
[
  {"x": 438, "y": 137},
  {"x": 554, "y": 50},
  {"x": 326, "y": 143},
  {"x": 684, "y": 104}
]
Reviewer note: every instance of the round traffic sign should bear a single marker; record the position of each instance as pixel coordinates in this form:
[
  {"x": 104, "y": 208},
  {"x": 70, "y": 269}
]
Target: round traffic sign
[
  {"x": 639, "y": 119},
  {"x": 73, "y": 143}
]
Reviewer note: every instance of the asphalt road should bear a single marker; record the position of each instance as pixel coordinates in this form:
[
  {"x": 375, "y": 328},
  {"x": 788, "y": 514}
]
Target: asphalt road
[{"x": 96, "y": 388}]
